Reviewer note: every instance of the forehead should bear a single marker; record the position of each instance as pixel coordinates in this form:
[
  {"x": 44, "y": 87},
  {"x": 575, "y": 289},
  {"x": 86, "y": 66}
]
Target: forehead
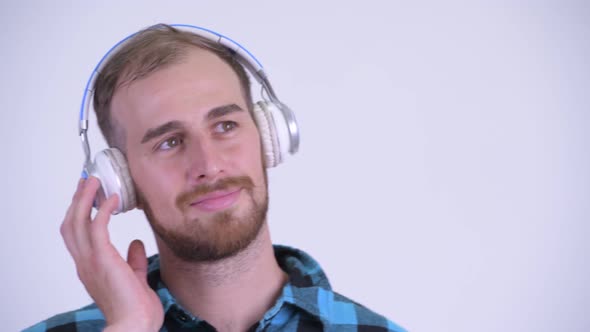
[{"x": 199, "y": 82}]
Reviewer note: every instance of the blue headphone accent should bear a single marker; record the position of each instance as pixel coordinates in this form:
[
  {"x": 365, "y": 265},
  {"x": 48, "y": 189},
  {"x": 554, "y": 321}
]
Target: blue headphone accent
[{"x": 219, "y": 35}]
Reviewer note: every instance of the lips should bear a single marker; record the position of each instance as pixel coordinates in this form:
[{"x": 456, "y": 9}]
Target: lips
[
  {"x": 217, "y": 200},
  {"x": 216, "y": 196}
]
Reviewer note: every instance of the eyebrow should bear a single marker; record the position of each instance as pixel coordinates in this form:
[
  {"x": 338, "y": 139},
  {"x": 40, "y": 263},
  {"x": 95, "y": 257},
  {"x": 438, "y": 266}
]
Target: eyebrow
[
  {"x": 220, "y": 111},
  {"x": 167, "y": 127},
  {"x": 161, "y": 130}
]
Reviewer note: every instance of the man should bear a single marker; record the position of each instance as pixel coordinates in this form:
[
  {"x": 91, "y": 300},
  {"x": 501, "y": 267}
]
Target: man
[{"x": 179, "y": 108}]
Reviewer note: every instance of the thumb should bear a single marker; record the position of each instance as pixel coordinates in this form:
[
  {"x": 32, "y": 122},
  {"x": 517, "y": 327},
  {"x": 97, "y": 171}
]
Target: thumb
[{"x": 137, "y": 260}]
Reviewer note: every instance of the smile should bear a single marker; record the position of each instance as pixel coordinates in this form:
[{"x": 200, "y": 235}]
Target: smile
[{"x": 217, "y": 200}]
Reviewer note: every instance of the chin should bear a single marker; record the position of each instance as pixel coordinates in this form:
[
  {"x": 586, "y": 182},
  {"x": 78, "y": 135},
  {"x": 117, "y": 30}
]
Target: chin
[{"x": 216, "y": 237}]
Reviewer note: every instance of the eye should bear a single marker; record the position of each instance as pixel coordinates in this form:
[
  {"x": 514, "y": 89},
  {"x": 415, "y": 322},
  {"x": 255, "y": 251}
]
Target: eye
[
  {"x": 170, "y": 143},
  {"x": 225, "y": 126}
]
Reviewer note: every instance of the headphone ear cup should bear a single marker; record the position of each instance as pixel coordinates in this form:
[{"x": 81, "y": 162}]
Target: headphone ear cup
[
  {"x": 126, "y": 182},
  {"x": 268, "y": 137},
  {"x": 111, "y": 168}
]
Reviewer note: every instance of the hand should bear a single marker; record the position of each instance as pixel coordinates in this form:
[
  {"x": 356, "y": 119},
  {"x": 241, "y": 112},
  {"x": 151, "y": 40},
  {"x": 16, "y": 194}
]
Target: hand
[{"x": 118, "y": 287}]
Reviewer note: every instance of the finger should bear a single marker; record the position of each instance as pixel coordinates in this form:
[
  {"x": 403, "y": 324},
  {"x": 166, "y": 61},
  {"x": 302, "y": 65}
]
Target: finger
[
  {"x": 99, "y": 232},
  {"x": 80, "y": 217},
  {"x": 66, "y": 225},
  {"x": 85, "y": 199},
  {"x": 67, "y": 233},
  {"x": 79, "y": 186},
  {"x": 75, "y": 198},
  {"x": 137, "y": 260}
]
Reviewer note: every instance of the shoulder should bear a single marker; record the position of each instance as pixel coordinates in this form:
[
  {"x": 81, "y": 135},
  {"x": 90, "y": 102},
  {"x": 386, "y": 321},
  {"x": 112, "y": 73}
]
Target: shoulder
[
  {"x": 88, "y": 318},
  {"x": 339, "y": 311},
  {"x": 310, "y": 290}
]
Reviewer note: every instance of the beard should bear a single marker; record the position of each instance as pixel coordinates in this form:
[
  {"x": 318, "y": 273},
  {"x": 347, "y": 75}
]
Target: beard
[{"x": 218, "y": 236}]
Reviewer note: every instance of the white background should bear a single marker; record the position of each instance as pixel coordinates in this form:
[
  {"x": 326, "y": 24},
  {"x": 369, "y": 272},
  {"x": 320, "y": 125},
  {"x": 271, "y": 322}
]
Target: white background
[{"x": 443, "y": 178}]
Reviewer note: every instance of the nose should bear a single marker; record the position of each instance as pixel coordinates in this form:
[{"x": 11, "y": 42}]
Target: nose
[{"x": 205, "y": 162}]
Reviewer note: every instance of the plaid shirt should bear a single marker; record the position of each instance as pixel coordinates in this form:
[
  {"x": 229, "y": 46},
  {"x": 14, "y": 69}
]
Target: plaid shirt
[{"x": 307, "y": 303}]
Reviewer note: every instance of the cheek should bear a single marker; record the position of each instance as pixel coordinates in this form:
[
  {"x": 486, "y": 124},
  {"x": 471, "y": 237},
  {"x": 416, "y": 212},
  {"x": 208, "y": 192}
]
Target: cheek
[
  {"x": 257, "y": 164},
  {"x": 252, "y": 158},
  {"x": 154, "y": 184},
  {"x": 242, "y": 153}
]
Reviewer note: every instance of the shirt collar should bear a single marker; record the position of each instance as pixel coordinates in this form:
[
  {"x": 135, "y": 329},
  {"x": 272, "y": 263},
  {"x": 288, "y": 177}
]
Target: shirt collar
[{"x": 306, "y": 278}]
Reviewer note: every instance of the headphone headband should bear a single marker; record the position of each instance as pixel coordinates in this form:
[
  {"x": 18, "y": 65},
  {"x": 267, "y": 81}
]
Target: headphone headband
[{"x": 244, "y": 57}]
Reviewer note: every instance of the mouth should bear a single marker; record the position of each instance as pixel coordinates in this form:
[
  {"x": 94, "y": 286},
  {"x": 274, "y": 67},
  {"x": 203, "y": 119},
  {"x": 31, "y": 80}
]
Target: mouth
[{"x": 217, "y": 200}]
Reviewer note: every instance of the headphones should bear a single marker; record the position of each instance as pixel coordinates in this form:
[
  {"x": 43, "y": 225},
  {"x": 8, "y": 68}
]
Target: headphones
[{"x": 275, "y": 121}]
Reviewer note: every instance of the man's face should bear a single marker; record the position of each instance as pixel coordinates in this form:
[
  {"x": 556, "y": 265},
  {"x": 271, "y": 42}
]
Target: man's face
[{"x": 195, "y": 157}]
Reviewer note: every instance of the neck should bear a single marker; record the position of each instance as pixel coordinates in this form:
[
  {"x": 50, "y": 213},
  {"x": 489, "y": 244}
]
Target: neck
[{"x": 232, "y": 293}]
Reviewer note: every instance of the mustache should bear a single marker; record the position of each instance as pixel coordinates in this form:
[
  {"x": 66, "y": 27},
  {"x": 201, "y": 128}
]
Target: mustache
[{"x": 184, "y": 199}]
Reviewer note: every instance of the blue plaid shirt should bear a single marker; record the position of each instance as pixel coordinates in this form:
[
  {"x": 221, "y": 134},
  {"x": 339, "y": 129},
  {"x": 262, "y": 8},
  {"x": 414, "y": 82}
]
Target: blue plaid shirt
[{"x": 307, "y": 303}]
